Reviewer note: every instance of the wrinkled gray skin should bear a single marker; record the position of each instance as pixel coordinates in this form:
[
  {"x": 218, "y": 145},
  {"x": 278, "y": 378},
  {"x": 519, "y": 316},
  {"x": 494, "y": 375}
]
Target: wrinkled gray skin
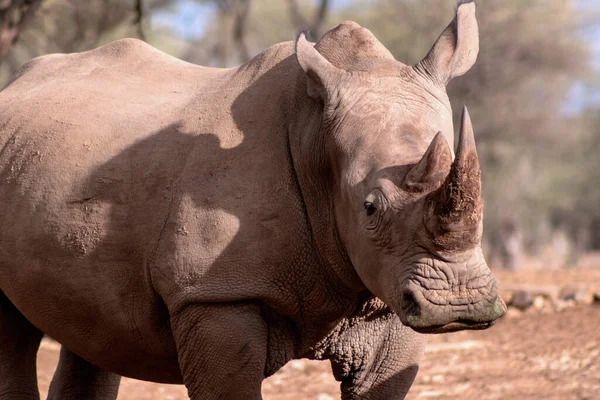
[{"x": 182, "y": 224}]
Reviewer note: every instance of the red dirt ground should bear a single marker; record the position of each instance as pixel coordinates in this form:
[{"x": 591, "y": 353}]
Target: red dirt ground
[{"x": 528, "y": 355}]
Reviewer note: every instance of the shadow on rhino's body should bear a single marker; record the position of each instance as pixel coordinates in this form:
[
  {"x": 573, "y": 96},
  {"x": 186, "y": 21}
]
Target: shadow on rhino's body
[{"x": 158, "y": 192}]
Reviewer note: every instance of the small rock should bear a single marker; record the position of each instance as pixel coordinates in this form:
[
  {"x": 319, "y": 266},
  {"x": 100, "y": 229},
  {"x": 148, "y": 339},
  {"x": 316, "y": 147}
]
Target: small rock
[
  {"x": 561, "y": 304},
  {"x": 577, "y": 295},
  {"x": 463, "y": 387},
  {"x": 522, "y": 300},
  {"x": 513, "y": 313},
  {"x": 276, "y": 380},
  {"x": 567, "y": 292},
  {"x": 298, "y": 365},
  {"x": 431, "y": 393},
  {"x": 507, "y": 297},
  {"x": 539, "y": 302},
  {"x": 586, "y": 297},
  {"x": 323, "y": 396}
]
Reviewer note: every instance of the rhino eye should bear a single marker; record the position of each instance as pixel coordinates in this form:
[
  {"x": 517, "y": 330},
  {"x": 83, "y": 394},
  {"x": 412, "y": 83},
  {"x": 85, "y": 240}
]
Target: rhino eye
[{"x": 370, "y": 208}]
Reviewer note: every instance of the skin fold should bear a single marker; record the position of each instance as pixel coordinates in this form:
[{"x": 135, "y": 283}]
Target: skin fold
[{"x": 176, "y": 223}]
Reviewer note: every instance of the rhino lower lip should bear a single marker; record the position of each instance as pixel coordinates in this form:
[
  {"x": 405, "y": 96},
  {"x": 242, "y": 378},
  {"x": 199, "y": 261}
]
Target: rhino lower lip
[{"x": 454, "y": 327}]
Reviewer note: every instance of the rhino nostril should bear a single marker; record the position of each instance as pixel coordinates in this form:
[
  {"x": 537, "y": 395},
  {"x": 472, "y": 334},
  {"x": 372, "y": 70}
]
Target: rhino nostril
[{"x": 410, "y": 305}]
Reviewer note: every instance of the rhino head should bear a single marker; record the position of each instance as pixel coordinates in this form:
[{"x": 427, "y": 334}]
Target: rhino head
[{"x": 407, "y": 211}]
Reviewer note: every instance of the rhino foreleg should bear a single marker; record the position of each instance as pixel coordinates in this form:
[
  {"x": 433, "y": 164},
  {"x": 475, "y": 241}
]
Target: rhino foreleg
[
  {"x": 19, "y": 342},
  {"x": 75, "y": 378},
  {"x": 222, "y": 350}
]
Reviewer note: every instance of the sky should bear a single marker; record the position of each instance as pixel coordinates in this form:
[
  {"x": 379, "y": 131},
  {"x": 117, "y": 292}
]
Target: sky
[{"x": 187, "y": 19}]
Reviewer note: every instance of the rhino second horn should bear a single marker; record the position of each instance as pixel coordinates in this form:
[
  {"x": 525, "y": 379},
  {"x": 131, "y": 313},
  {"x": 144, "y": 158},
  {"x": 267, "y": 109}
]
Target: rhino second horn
[
  {"x": 460, "y": 206},
  {"x": 433, "y": 168}
]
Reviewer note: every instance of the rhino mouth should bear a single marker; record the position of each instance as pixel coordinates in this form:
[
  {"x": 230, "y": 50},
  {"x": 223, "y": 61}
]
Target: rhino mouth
[
  {"x": 455, "y": 326},
  {"x": 424, "y": 316}
]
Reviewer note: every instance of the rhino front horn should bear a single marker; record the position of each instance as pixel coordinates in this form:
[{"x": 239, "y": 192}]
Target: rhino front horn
[{"x": 460, "y": 205}]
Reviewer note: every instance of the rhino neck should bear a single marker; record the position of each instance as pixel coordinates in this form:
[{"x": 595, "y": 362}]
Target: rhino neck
[
  {"x": 322, "y": 275},
  {"x": 315, "y": 179}
]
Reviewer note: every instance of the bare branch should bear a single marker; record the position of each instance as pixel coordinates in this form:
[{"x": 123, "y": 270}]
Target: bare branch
[
  {"x": 239, "y": 29},
  {"x": 297, "y": 18},
  {"x": 140, "y": 20},
  {"x": 314, "y": 27},
  {"x": 221, "y": 49},
  {"x": 317, "y": 26}
]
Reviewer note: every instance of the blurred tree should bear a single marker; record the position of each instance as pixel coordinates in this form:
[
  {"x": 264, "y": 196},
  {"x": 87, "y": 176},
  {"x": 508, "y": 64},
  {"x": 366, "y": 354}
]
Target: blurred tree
[
  {"x": 231, "y": 27},
  {"x": 66, "y": 26},
  {"x": 574, "y": 175},
  {"x": 141, "y": 20},
  {"x": 314, "y": 27},
  {"x": 14, "y": 14}
]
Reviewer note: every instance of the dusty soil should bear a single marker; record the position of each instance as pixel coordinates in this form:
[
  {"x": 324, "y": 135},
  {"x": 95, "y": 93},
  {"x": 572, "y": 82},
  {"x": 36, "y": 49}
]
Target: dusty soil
[{"x": 535, "y": 354}]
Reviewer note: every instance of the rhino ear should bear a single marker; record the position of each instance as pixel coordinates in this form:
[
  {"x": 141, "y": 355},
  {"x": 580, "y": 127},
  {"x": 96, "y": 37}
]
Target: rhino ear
[
  {"x": 433, "y": 168},
  {"x": 321, "y": 74},
  {"x": 455, "y": 51}
]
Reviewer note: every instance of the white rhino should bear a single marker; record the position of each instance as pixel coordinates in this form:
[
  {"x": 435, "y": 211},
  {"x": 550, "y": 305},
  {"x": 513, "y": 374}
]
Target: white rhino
[{"x": 175, "y": 223}]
